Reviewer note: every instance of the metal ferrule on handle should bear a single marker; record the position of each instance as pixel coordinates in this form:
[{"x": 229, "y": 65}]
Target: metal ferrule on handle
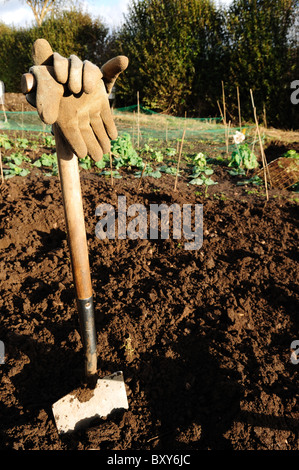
[{"x": 88, "y": 334}]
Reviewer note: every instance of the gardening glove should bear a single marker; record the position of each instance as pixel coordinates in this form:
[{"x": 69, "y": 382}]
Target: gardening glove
[{"x": 73, "y": 95}]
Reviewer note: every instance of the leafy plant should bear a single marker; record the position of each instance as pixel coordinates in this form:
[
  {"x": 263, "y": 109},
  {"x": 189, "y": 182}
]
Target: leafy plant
[
  {"x": 5, "y": 142},
  {"x": 200, "y": 161},
  {"x": 107, "y": 173},
  {"x": 46, "y": 160},
  {"x": 170, "y": 152},
  {"x": 243, "y": 157},
  {"x": 124, "y": 153},
  {"x": 203, "y": 180},
  {"x": 14, "y": 170},
  {"x": 101, "y": 164},
  {"x": 17, "y": 158},
  {"x": 254, "y": 180},
  {"x": 169, "y": 170},
  {"x": 157, "y": 155},
  {"x": 291, "y": 154},
  {"x": 237, "y": 172},
  {"x": 149, "y": 171},
  {"x": 201, "y": 172},
  {"x": 85, "y": 163},
  {"x": 49, "y": 141},
  {"x": 22, "y": 143}
]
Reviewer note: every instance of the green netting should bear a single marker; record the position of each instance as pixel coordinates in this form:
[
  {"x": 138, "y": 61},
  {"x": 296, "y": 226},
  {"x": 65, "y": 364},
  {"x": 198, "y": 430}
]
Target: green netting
[
  {"x": 133, "y": 109},
  {"x": 154, "y": 126},
  {"x": 143, "y": 110},
  {"x": 22, "y": 121},
  {"x": 144, "y": 126}
]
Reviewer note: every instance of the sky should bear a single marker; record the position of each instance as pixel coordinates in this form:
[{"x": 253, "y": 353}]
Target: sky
[{"x": 17, "y": 13}]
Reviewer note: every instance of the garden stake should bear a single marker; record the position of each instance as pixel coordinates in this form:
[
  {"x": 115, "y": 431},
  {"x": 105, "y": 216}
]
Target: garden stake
[
  {"x": 138, "y": 120},
  {"x": 101, "y": 396},
  {"x": 239, "y": 108},
  {"x": 265, "y": 167},
  {"x": 111, "y": 168},
  {"x": 179, "y": 160},
  {"x": 1, "y": 168}
]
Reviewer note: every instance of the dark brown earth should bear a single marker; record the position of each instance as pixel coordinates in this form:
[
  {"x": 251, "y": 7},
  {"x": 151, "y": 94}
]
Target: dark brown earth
[{"x": 203, "y": 337}]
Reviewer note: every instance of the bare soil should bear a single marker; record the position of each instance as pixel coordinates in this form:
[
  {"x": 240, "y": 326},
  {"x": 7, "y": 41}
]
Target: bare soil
[{"x": 203, "y": 337}]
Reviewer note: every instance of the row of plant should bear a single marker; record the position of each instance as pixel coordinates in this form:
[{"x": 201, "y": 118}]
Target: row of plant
[{"x": 148, "y": 161}]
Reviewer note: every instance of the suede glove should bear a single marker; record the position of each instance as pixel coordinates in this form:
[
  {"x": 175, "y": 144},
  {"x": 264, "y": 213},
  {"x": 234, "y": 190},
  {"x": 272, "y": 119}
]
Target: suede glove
[{"x": 73, "y": 95}]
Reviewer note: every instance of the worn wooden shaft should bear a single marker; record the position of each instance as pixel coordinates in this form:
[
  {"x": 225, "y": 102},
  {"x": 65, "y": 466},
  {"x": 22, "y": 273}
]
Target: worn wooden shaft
[
  {"x": 74, "y": 218},
  {"x": 77, "y": 242},
  {"x": 28, "y": 82}
]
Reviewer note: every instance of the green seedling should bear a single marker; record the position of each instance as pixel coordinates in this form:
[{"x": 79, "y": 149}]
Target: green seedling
[
  {"x": 49, "y": 141},
  {"x": 291, "y": 154},
  {"x": 200, "y": 160},
  {"x": 5, "y": 142},
  {"x": 201, "y": 173},
  {"x": 170, "y": 152},
  {"x": 254, "y": 180},
  {"x": 157, "y": 156},
  {"x": 124, "y": 154},
  {"x": 203, "y": 180},
  {"x": 237, "y": 172},
  {"x": 243, "y": 157},
  {"x": 22, "y": 143},
  {"x": 115, "y": 174},
  {"x": 148, "y": 172},
  {"x": 169, "y": 170},
  {"x": 17, "y": 158},
  {"x": 14, "y": 170},
  {"x": 85, "y": 163},
  {"x": 49, "y": 161}
]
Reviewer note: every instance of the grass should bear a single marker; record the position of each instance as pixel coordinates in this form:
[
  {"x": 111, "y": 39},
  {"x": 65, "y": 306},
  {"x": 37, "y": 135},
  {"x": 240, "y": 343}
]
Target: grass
[{"x": 281, "y": 136}]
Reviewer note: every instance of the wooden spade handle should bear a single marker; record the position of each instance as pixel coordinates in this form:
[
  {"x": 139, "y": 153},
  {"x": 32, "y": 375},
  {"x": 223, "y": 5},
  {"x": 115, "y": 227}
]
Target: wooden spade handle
[
  {"x": 74, "y": 216},
  {"x": 28, "y": 83}
]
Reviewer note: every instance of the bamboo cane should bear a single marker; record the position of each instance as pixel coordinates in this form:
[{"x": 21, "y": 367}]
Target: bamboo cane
[{"x": 179, "y": 160}]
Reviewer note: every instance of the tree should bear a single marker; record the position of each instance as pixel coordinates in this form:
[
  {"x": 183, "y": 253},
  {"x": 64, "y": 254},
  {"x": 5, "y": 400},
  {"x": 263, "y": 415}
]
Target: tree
[
  {"x": 42, "y": 8},
  {"x": 169, "y": 42},
  {"x": 261, "y": 48},
  {"x": 68, "y": 32},
  {"x": 74, "y": 32}
]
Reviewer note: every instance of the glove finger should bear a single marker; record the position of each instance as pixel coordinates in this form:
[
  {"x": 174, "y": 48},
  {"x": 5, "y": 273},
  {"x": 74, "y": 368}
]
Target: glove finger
[
  {"x": 75, "y": 74},
  {"x": 74, "y": 138},
  {"x": 42, "y": 53},
  {"x": 94, "y": 148},
  {"x": 48, "y": 93},
  {"x": 112, "y": 69},
  {"x": 108, "y": 120},
  {"x": 98, "y": 127},
  {"x": 91, "y": 76},
  {"x": 61, "y": 67}
]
